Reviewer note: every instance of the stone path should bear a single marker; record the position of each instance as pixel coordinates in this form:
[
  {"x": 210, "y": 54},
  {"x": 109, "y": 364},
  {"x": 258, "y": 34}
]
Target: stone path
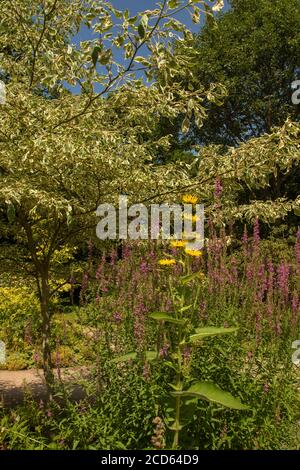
[{"x": 14, "y": 384}]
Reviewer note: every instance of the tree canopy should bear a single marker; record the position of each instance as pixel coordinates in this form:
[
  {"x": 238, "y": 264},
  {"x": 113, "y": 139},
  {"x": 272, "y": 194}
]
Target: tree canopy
[{"x": 253, "y": 50}]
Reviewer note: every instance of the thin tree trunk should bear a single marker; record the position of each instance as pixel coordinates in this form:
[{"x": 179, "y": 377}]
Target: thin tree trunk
[
  {"x": 42, "y": 277},
  {"x": 46, "y": 333}
]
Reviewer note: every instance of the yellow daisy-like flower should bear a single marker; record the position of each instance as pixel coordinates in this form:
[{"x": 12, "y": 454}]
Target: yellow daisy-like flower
[
  {"x": 178, "y": 243},
  {"x": 195, "y": 253},
  {"x": 189, "y": 199},
  {"x": 166, "y": 262}
]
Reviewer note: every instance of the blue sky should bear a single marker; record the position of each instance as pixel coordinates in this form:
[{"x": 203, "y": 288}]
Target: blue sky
[{"x": 135, "y": 6}]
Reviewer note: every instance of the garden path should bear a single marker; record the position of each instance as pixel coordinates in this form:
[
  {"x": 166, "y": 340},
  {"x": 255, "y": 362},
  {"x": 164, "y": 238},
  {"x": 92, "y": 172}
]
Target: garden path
[{"x": 15, "y": 384}]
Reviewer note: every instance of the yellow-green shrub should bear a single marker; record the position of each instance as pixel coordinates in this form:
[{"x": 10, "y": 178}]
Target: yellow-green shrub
[{"x": 19, "y": 316}]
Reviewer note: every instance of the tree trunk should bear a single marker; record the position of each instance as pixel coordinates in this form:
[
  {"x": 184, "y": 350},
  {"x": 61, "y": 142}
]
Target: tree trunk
[
  {"x": 46, "y": 332},
  {"x": 42, "y": 278}
]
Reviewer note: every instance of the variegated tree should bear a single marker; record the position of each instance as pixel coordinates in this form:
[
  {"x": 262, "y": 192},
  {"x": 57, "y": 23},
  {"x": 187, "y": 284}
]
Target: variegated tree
[{"x": 62, "y": 153}]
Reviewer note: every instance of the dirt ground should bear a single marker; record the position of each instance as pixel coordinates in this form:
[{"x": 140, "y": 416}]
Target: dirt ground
[{"x": 14, "y": 384}]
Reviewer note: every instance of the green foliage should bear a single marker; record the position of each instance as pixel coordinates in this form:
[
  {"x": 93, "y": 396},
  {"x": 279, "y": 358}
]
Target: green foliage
[
  {"x": 19, "y": 315},
  {"x": 60, "y": 157},
  {"x": 63, "y": 153},
  {"x": 120, "y": 415},
  {"x": 180, "y": 339},
  {"x": 254, "y": 52}
]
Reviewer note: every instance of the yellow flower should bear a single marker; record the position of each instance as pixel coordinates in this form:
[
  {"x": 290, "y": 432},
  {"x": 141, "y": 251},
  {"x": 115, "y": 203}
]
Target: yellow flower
[
  {"x": 189, "y": 199},
  {"x": 178, "y": 243},
  {"x": 195, "y": 253},
  {"x": 166, "y": 262}
]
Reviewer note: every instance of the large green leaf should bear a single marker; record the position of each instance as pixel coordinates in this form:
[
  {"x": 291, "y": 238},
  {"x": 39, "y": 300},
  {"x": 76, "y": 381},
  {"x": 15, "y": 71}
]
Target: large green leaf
[
  {"x": 150, "y": 356},
  {"x": 161, "y": 316},
  {"x": 211, "y": 331},
  {"x": 213, "y": 393}
]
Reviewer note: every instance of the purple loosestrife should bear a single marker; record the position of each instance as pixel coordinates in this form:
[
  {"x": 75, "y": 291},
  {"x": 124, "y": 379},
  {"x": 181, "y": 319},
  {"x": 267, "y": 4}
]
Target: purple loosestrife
[
  {"x": 233, "y": 272},
  {"x": 174, "y": 252},
  {"x": 277, "y": 327},
  {"x": 177, "y": 270},
  {"x": 211, "y": 229},
  {"x": 102, "y": 279},
  {"x": 223, "y": 275},
  {"x": 100, "y": 269},
  {"x": 197, "y": 263},
  {"x": 270, "y": 289},
  {"x": 144, "y": 267},
  {"x": 139, "y": 324},
  {"x": 117, "y": 317},
  {"x": 297, "y": 251},
  {"x": 245, "y": 242},
  {"x": 256, "y": 237},
  {"x": 271, "y": 273},
  {"x": 295, "y": 307},
  {"x": 126, "y": 251},
  {"x": 203, "y": 310},
  {"x": 168, "y": 305},
  {"x": 224, "y": 431},
  {"x": 186, "y": 354},
  {"x": 218, "y": 188},
  {"x": 84, "y": 287},
  {"x": 250, "y": 273},
  {"x": 262, "y": 281},
  {"x": 146, "y": 371},
  {"x": 258, "y": 325},
  {"x": 295, "y": 302},
  {"x": 153, "y": 255},
  {"x": 270, "y": 309},
  {"x": 163, "y": 353},
  {"x": 283, "y": 272},
  {"x": 210, "y": 275},
  {"x": 90, "y": 255},
  {"x": 215, "y": 264},
  {"x": 113, "y": 257},
  {"x": 256, "y": 231},
  {"x": 121, "y": 275}
]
